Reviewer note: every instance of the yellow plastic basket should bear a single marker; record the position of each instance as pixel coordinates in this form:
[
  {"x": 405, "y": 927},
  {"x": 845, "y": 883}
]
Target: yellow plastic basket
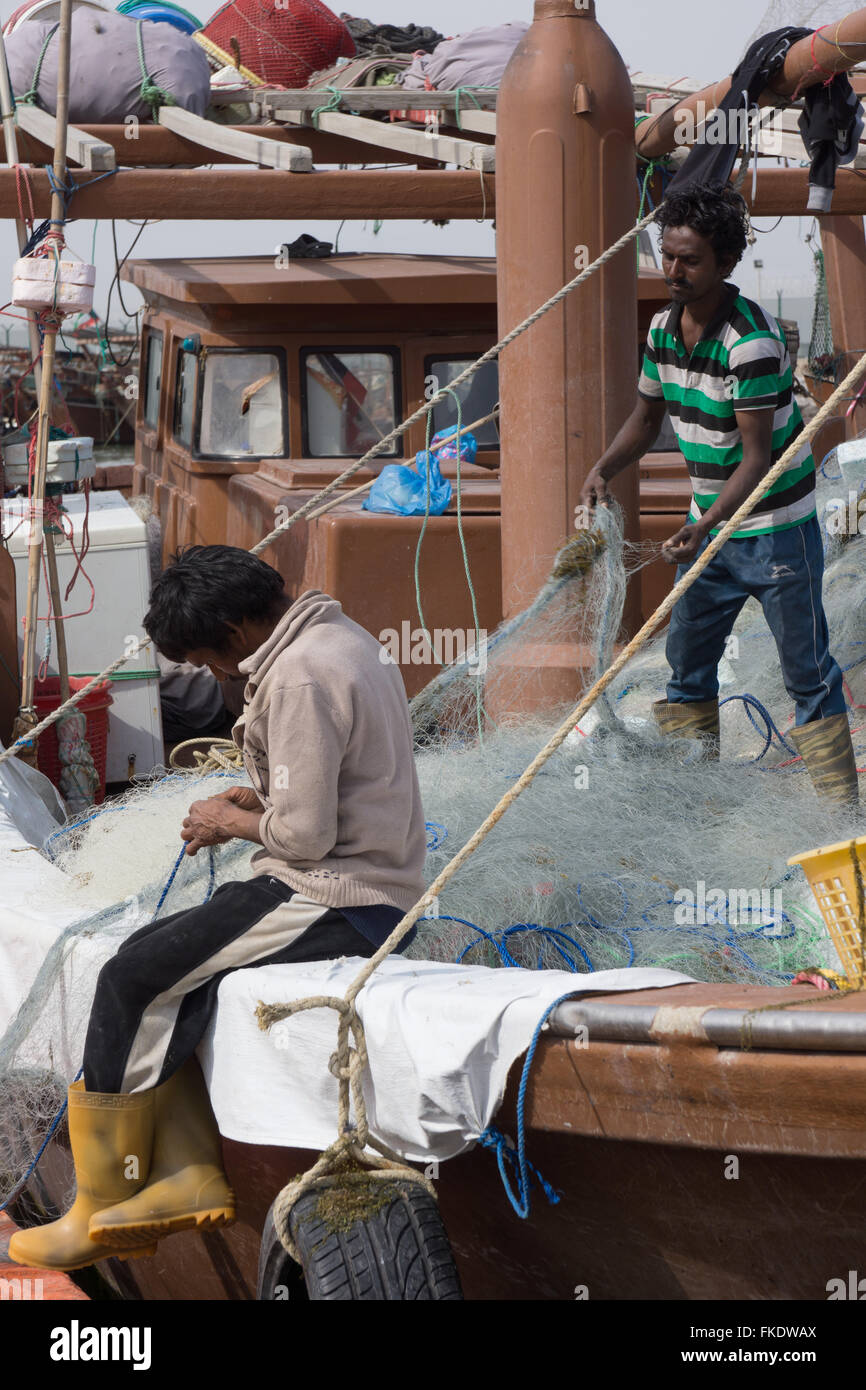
[{"x": 837, "y": 877}]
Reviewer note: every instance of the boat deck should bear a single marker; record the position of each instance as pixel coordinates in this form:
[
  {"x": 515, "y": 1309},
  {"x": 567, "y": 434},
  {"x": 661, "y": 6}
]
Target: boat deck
[{"x": 32, "y": 1285}]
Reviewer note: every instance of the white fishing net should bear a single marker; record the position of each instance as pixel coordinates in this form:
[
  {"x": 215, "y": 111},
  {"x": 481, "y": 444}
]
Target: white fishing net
[
  {"x": 781, "y": 13},
  {"x": 624, "y": 851}
]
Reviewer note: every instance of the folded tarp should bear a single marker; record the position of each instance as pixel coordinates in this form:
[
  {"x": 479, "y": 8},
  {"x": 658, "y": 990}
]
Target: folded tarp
[{"x": 441, "y": 1039}]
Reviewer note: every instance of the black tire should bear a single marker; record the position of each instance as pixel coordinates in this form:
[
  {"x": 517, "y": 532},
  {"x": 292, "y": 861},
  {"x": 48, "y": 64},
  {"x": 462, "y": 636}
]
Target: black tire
[{"x": 396, "y": 1253}]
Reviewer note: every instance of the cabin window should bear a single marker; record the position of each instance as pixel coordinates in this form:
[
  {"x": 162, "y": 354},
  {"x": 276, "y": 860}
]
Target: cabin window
[
  {"x": 152, "y": 379},
  {"x": 477, "y": 396},
  {"x": 348, "y": 401},
  {"x": 184, "y": 398},
  {"x": 243, "y": 411}
]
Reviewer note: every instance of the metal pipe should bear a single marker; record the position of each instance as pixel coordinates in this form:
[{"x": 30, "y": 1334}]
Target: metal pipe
[{"x": 800, "y": 1029}]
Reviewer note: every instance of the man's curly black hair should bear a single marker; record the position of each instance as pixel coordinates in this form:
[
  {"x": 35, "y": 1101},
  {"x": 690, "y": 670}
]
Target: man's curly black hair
[{"x": 714, "y": 211}]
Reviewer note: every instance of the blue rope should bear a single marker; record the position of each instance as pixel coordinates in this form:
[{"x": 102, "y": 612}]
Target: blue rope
[
  {"x": 751, "y": 702},
  {"x": 434, "y": 841},
  {"x": 43, "y": 1146},
  {"x": 523, "y": 1171}
]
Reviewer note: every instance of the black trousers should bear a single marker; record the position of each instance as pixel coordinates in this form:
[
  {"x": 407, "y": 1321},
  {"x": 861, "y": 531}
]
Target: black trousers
[{"x": 155, "y": 997}]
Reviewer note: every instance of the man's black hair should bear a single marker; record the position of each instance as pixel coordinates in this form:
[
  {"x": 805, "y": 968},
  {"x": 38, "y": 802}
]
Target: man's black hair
[
  {"x": 205, "y": 588},
  {"x": 712, "y": 210}
]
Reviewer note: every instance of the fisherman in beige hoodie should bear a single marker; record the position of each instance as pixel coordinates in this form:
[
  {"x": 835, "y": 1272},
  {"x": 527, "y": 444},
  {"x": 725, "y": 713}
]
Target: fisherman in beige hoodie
[{"x": 336, "y": 809}]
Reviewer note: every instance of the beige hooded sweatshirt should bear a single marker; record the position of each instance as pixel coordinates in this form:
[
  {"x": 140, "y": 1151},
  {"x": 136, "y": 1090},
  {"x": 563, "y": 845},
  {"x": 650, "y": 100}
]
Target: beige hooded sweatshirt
[{"x": 327, "y": 743}]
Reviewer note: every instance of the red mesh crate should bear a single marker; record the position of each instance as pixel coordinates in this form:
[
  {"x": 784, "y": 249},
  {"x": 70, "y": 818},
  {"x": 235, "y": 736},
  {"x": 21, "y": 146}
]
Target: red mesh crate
[
  {"x": 95, "y": 709},
  {"x": 282, "y": 43}
]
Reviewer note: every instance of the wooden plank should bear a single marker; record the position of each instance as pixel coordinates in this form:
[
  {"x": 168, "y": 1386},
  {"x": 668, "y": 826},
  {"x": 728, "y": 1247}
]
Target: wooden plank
[
  {"x": 81, "y": 148},
  {"x": 155, "y": 145},
  {"x": 244, "y": 194},
  {"x": 376, "y": 99},
  {"x": 424, "y": 143},
  {"x": 254, "y": 149},
  {"x": 482, "y": 122}
]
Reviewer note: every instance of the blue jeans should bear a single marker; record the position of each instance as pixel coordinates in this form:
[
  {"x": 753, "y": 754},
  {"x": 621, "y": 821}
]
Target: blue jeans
[{"x": 783, "y": 571}]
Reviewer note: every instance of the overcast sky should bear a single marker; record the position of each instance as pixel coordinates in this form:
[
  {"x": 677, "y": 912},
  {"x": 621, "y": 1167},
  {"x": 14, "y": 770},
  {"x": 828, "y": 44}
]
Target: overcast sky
[{"x": 666, "y": 37}]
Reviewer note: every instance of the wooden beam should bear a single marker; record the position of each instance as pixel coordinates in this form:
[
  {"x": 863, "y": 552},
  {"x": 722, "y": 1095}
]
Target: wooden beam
[
  {"x": 424, "y": 143},
  {"x": 374, "y": 99},
  {"x": 844, "y": 246},
  {"x": 263, "y": 195},
  {"x": 81, "y": 148},
  {"x": 253, "y": 149},
  {"x": 155, "y": 145},
  {"x": 784, "y": 192}
]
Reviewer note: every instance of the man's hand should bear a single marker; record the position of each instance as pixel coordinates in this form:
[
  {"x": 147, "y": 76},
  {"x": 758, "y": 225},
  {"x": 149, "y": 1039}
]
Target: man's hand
[
  {"x": 209, "y": 822},
  {"x": 682, "y": 547},
  {"x": 594, "y": 490},
  {"x": 244, "y": 797}
]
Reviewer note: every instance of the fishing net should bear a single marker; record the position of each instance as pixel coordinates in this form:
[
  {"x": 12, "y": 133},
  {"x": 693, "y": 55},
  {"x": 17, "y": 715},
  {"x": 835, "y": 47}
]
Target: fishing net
[
  {"x": 625, "y": 850},
  {"x": 781, "y": 13},
  {"x": 821, "y": 360}
]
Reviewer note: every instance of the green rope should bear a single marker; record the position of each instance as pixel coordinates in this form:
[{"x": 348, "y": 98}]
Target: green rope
[
  {"x": 467, "y": 91},
  {"x": 421, "y": 534},
  {"x": 479, "y": 702},
  {"x": 149, "y": 92},
  {"x": 29, "y": 97},
  {"x": 330, "y": 105}
]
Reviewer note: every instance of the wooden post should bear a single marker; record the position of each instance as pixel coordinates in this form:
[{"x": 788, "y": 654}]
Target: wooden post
[
  {"x": 844, "y": 245},
  {"x": 28, "y": 672}
]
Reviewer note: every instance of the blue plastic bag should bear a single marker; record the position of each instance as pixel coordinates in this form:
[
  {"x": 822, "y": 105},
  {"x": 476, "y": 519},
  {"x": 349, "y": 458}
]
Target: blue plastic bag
[
  {"x": 468, "y": 445},
  {"x": 401, "y": 488}
]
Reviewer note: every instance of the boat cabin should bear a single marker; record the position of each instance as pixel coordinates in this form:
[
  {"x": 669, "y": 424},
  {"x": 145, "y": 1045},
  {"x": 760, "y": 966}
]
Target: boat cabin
[{"x": 263, "y": 378}]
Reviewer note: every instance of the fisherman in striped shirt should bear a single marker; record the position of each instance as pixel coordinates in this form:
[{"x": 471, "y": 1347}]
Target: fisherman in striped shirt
[{"x": 719, "y": 364}]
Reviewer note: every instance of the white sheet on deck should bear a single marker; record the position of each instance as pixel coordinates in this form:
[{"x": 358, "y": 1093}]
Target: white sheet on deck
[{"x": 441, "y": 1039}]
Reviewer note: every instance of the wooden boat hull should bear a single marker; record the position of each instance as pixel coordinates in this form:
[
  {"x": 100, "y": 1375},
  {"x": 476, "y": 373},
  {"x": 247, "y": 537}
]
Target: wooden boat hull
[{"x": 686, "y": 1171}]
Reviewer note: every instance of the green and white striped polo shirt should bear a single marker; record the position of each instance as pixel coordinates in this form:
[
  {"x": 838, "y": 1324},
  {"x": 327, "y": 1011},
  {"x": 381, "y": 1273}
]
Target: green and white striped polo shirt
[{"x": 740, "y": 363}]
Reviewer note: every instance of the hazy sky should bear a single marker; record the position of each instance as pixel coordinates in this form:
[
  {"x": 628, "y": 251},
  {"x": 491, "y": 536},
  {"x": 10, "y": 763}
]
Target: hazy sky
[{"x": 665, "y": 37}]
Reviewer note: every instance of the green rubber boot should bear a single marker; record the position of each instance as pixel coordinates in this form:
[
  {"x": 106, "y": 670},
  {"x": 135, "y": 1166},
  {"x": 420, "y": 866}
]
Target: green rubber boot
[
  {"x": 187, "y": 1187},
  {"x": 828, "y": 755},
  {"x": 698, "y": 719},
  {"x": 111, "y": 1138}
]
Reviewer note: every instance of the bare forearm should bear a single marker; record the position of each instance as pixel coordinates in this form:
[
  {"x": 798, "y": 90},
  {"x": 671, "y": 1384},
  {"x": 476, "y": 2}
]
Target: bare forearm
[
  {"x": 632, "y": 440},
  {"x": 244, "y": 825}
]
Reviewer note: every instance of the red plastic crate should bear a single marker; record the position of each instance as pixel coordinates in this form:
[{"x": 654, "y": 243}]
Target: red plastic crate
[{"x": 95, "y": 709}]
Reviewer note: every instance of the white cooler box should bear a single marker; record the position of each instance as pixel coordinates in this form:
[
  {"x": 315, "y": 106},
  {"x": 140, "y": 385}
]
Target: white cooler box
[{"x": 118, "y": 566}]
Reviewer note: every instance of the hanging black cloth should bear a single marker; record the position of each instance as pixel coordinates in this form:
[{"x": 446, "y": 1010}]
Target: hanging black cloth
[{"x": 830, "y": 124}]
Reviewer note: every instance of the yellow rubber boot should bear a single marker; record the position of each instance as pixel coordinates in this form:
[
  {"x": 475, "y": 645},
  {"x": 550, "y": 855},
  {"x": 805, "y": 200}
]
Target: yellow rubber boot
[
  {"x": 187, "y": 1186},
  {"x": 828, "y": 755},
  {"x": 111, "y": 1138},
  {"x": 698, "y": 719}
]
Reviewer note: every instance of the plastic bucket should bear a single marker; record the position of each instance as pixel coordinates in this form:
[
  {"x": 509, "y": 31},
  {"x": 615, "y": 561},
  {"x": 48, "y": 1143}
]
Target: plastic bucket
[
  {"x": 837, "y": 877},
  {"x": 95, "y": 709}
]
